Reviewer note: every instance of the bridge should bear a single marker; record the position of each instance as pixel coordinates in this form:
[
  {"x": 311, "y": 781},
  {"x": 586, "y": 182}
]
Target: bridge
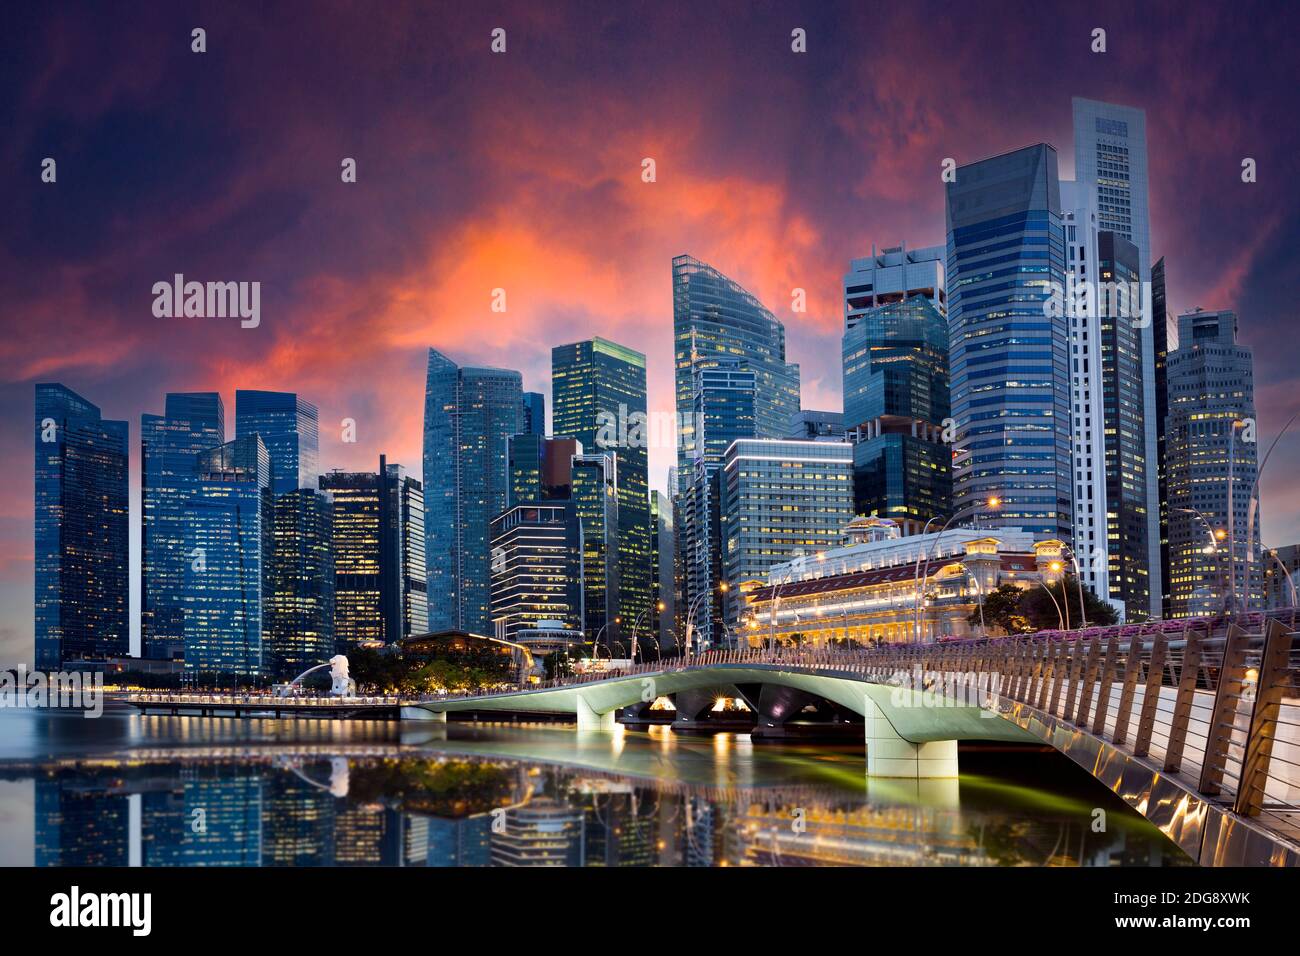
[{"x": 1195, "y": 724}]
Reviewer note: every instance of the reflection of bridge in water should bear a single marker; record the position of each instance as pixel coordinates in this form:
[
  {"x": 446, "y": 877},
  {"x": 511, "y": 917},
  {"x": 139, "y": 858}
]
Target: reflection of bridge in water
[
  {"x": 1196, "y": 724},
  {"x": 501, "y": 805}
]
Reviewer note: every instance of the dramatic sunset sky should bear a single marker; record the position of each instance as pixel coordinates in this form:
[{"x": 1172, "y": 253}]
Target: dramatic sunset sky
[{"x": 522, "y": 171}]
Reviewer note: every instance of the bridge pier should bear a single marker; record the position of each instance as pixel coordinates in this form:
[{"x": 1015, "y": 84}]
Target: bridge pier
[
  {"x": 419, "y": 713},
  {"x": 889, "y": 755},
  {"x": 589, "y": 720}
]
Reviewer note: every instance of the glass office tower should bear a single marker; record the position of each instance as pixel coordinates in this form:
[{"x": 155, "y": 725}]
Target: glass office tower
[
  {"x": 536, "y": 568},
  {"x": 1122, "y": 387},
  {"x": 1009, "y": 356},
  {"x": 379, "y": 558},
  {"x": 1211, "y": 395},
  {"x": 300, "y": 614},
  {"x": 896, "y": 389},
  {"x": 228, "y": 546},
  {"x": 469, "y": 414},
  {"x": 598, "y": 396},
  {"x": 191, "y": 423},
  {"x": 81, "y": 550},
  {"x": 534, "y": 413},
  {"x": 715, "y": 318},
  {"x": 724, "y": 409},
  {"x": 596, "y": 510},
  {"x": 1110, "y": 165},
  {"x": 288, "y": 428}
]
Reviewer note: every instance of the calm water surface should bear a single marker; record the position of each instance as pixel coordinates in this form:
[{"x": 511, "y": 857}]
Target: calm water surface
[{"x": 167, "y": 791}]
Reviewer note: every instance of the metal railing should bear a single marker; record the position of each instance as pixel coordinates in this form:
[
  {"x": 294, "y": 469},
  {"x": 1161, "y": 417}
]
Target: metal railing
[{"x": 1213, "y": 702}]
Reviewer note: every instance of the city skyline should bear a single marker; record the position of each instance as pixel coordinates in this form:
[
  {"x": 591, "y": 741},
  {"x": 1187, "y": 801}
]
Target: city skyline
[{"x": 344, "y": 339}]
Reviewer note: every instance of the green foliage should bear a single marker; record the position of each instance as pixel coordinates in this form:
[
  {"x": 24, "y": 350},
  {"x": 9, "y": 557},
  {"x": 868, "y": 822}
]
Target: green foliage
[
  {"x": 1021, "y": 611},
  {"x": 387, "y": 671}
]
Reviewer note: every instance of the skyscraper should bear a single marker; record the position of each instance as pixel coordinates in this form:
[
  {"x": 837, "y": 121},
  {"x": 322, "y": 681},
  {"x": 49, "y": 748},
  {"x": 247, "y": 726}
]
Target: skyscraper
[
  {"x": 1212, "y": 461},
  {"x": 662, "y": 511},
  {"x": 896, "y": 389},
  {"x": 288, "y": 427},
  {"x": 229, "y": 538},
  {"x": 780, "y": 499},
  {"x": 595, "y": 498},
  {"x": 81, "y": 549},
  {"x": 540, "y": 468},
  {"x": 1110, "y": 166},
  {"x": 536, "y": 571},
  {"x": 1126, "y": 468},
  {"x": 534, "y": 413},
  {"x": 1009, "y": 348},
  {"x": 469, "y": 413},
  {"x": 1165, "y": 333},
  {"x": 379, "y": 558},
  {"x": 724, "y": 409},
  {"x": 300, "y": 615},
  {"x": 715, "y": 318},
  {"x": 192, "y": 422},
  {"x": 598, "y": 396}
]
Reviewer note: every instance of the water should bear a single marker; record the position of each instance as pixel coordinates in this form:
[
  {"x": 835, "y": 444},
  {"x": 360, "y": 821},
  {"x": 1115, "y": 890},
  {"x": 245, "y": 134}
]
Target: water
[{"x": 161, "y": 791}]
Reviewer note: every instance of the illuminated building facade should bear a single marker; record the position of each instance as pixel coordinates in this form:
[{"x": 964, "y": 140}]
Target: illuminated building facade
[
  {"x": 865, "y": 590},
  {"x": 896, "y": 394},
  {"x": 598, "y": 397},
  {"x": 80, "y": 531},
  {"x": 779, "y": 499},
  {"x": 536, "y": 568},
  {"x": 288, "y": 426},
  {"x": 595, "y": 509},
  {"x": 469, "y": 414},
  {"x": 1210, "y": 449},
  {"x": 541, "y": 468},
  {"x": 228, "y": 543},
  {"x": 378, "y": 556},
  {"x": 300, "y": 611},
  {"x": 170, "y": 444},
  {"x": 1009, "y": 359},
  {"x": 715, "y": 318}
]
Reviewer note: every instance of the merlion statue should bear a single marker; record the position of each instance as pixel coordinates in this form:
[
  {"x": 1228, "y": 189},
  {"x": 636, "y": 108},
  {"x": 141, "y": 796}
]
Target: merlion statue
[{"x": 342, "y": 685}]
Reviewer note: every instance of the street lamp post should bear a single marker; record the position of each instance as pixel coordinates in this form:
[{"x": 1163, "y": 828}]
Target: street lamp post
[
  {"x": 918, "y": 582},
  {"x": 637, "y": 623},
  {"x": 1214, "y": 543},
  {"x": 1253, "y": 506},
  {"x": 690, "y": 615}
]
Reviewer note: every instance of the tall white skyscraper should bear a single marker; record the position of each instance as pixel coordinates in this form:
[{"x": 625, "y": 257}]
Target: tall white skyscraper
[{"x": 1110, "y": 171}]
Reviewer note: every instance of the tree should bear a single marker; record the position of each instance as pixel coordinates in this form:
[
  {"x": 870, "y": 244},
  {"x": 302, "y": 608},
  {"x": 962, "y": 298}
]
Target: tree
[
  {"x": 1002, "y": 610},
  {"x": 1042, "y": 611}
]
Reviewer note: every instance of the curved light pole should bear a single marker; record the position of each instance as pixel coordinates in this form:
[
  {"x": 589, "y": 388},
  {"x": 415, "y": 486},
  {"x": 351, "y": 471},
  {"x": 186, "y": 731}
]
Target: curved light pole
[
  {"x": 690, "y": 615},
  {"x": 1060, "y": 620},
  {"x": 776, "y": 603},
  {"x": 1254, "y": 505},
  {"x": 1232, "y": 538},
  {"x": 1214, "y": 543},
  {"x": 918, "y": 582},
  {"x": 980, "y": 589},
  {"x": 1078, "y": 579},
  {"x": 659, "y": 605}
]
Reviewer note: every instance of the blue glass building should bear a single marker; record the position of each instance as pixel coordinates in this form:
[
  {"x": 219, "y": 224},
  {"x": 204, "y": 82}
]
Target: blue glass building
[
  {"x": 170, "y": 444},
  {"x": 534, "y": 413},
  {"x": 598, "y": 396},
  {"x": 229, "y": 541},
  {"x": 715, "y": 318},
  {"x": 469, "y": 414},
  {"x": 300, "y": 604},
  {"x": 896, "y": 389},
  {"x": 1009, "y": 348},
  {"x": 81, "y": 549},
  {"x": 288, "y": 427}
]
